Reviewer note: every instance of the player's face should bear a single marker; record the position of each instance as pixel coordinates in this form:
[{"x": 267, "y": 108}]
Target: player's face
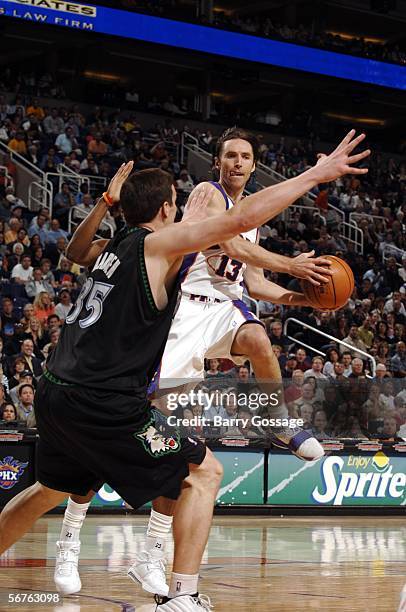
[{"x": 236, "y": 163}]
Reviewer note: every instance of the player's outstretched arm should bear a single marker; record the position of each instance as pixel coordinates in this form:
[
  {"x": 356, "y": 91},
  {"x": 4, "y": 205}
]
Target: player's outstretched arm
[
  {"x": 260, "y": 288},
  {"x": 82, "y": 249},
  {"x": 314, "y": 269},
  {"x": 188, "y": 237}
]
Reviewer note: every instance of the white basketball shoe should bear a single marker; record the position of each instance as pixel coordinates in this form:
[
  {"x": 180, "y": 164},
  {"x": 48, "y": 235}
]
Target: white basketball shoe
[
  {"x": 301, "y": 443},
  {"x": 149, "y": 571},
  {"x": 184, "y": 603},
  {"x": 66, "y": 575}
]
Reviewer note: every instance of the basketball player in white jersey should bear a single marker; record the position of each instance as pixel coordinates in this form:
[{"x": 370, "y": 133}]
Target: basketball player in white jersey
[{"x": 211, "y": 321}]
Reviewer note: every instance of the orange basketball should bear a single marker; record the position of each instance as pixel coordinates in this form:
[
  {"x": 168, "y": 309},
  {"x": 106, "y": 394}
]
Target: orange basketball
[{"x": 334, "y": 294}]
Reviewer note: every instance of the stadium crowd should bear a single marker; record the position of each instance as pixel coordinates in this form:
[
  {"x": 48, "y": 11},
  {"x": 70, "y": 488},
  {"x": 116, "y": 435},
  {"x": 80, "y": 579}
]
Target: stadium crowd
[
  {"x": 310, "y": 34},
  {"x": 331, "y": 393}
]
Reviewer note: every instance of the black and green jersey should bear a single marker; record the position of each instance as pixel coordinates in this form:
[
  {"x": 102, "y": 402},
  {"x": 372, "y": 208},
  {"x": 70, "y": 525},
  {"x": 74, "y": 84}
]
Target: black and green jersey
[{"x": 114, "y": 335}]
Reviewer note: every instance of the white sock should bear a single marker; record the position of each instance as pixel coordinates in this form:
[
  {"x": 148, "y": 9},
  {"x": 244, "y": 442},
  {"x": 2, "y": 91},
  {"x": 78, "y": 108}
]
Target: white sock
[
  {"x": 183, "y": 584},
  {"x": 72, "y": 521},
  {"x": 159, "y": 526}
]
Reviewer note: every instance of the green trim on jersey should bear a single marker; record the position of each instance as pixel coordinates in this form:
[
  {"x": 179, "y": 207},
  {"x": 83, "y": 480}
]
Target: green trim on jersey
[
  {"x": 144, "y": 276},
  {"x": 57, "y": 381}
]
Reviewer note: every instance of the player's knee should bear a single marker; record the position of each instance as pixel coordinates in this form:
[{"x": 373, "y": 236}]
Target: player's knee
[
  {"x": 256, "y": 342},
  {"x": 46, "y": 498},
  {"x": 209, "y": 474},
  {"x": 213, "y": 470}
]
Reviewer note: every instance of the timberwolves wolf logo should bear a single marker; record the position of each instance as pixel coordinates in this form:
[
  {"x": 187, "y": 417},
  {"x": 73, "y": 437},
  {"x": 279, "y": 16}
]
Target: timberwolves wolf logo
[
  {"x": 155, "y": 443},
  {"x": 11, "y": 471}
]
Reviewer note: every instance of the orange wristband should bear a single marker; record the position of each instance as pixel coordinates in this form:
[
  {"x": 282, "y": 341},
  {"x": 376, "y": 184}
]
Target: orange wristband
[{"x": 109, "y": 201}]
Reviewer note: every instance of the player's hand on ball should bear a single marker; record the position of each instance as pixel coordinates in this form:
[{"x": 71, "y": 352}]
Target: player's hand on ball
[
  {"x": 341, "y": 161},
  {"x": 118, "y": 180},
  {"x": 201, "y": 196},
  {"x": 313, "y": 269}
]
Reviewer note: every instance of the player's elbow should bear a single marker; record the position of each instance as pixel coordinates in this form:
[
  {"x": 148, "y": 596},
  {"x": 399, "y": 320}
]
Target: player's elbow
[
  {"x": 254, "y": 290},
  {"x": 74, "y": 254}
]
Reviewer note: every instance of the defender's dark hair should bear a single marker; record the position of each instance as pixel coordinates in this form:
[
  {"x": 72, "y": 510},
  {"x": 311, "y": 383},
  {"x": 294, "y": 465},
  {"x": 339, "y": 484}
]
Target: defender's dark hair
[
  {"x": 232, "y": 134},
  {"x": 143, "y": 194}
]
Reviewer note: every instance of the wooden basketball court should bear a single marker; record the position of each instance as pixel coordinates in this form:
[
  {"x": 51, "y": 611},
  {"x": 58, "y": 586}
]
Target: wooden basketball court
[{"x": 251, "y": 563}]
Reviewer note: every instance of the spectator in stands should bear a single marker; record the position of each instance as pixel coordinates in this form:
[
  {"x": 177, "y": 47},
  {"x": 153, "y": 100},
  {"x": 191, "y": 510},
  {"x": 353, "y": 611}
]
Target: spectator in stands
[
  {"x": 26, "y": 377},
  {"x": 18, "y": 144},
  {"x": 316, "y": 371},
  {"x": 37, "y": 254},
  {"x": 43, "y": 306},
  {"x": 213, "y": 370},
  {"x": 64, "y": 275},
  {"x": 47, "y": 275},
  {"x": 35, "y": 109},
  {"x": 346, "y": 359},
  {"x": 53, "y": 124},
  {"x": 54, "y": 337},
  {"x": 11, "y": 234},
  {"x": 289, "y": 367},
  {"x": 382, "y": 352},
  {"x": 319, "y": 425},
  {"x": 306, "y": 411},
  {"x": 395, "y": 300},
  {"x": 18, "y": 367},
  {"x": 63, "y": 202},
  {"x": 390, "y": 427},
  {"x": 303, "y": 362},
  {"x": 25, "y": 406},
  {"x": 22, "y": 272},
  {"x": 55, "y": 233},
  {"x": 66, "y": 142},
  {"x": 332, "y": 357},
  {"x": 387, "y": 395},
  {"x": 353, "y": 340},
  {"x": 84, "y": 208},
  {"x": 402, "y": 270},
  {"x": 64, "y": 305},
  {"x": 27, "y": 352},
  {"x": 308, "y": 397},
  {"x": 294, "y": 390},
  {"x": 39, "y": 226},
  {"x": 8, "y": 412},
  {"x": 185, "y": 182},
  {"x": 38, "y": 285},
  {"x": 96, "y": 146},
  {"x": 276, "y": 335},
  {"x": 365, "y": 332},
  {"x": 338, "y": 372},
  {"x": 34, "y": 332},
  {"x": 398, "y": 361},
  {"x": 381, "y": 372},
  {"x": 357, "y": 368}
]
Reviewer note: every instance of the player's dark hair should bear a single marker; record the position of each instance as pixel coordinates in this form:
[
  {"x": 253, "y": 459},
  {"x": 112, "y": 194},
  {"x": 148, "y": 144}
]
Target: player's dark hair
[
  {"x": 143, "y": 194},
  {"x": 233, "y": 133}
]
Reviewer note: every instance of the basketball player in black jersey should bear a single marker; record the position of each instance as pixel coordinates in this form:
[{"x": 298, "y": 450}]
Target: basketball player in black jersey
[{"x": 91, "y": 405}]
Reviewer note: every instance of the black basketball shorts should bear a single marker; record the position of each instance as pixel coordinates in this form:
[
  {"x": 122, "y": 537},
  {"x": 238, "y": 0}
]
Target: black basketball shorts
[{"x": 88, "y": 437}]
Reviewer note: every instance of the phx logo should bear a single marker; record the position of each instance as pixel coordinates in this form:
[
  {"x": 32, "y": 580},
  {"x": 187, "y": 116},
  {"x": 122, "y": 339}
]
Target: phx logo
[{"x": 11, "y": 471}]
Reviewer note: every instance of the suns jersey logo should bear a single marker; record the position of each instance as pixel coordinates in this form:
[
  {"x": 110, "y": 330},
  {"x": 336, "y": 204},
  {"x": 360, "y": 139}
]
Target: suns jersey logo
[
  {"x": 155, "y": 443},
  {"x": 11, "y": 471}
]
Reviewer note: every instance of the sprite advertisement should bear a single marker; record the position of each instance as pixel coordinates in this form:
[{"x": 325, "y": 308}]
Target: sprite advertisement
[
  {"x": 374, "y": 479},
  {"x": 345, "y": 479}
]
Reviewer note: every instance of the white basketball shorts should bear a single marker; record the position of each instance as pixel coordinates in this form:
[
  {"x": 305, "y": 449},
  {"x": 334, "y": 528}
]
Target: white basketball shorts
[{"x": 201, "y": 330}]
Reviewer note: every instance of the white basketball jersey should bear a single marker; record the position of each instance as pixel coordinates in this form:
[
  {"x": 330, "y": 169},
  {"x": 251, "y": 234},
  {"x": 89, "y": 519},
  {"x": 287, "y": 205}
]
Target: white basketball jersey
[{"x": 212, "y": 273}]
